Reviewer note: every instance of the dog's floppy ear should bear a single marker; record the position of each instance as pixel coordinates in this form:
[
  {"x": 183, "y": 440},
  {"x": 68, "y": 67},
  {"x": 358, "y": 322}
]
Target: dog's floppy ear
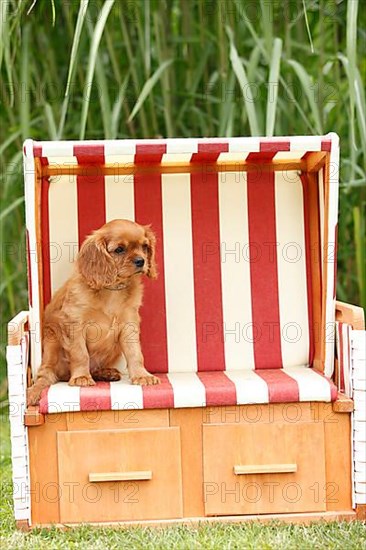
[
  {"x": 150, "y": 235},
  {"x": 95, "y": 264}
]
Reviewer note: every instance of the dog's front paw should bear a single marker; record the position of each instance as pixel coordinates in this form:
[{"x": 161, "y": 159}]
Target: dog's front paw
[
  {"x": 33, "y": 395},
  {"x": 146, "y": 379},
  {"x": 81, "y": 381}
]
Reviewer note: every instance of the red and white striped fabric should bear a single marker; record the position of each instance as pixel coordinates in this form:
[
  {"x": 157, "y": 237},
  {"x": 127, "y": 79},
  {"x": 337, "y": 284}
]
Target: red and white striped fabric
[
  {"x": 193, "y": 149},
  {"x": 343, "y": 346},
  {"x": 190, "y": 389},
  {"x": 234, "y": 286}
]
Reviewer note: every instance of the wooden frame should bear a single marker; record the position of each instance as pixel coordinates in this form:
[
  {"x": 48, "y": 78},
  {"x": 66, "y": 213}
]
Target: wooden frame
[
  {"x": 176, "y": 168},
  {"x": 190, "y": 423},
  {"x": 350, "y": 314},
  {"x": 312, "y": 164}
]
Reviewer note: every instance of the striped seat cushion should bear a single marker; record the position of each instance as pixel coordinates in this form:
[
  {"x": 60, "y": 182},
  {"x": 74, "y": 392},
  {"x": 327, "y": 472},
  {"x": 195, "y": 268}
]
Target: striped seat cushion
[
  {"x": 234, "y": 290},
  {"x": 194, "y": 389}
]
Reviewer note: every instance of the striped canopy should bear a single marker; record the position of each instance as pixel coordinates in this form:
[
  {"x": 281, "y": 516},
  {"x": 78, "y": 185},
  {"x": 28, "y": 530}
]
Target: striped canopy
[{"x": 245, "y": 242}]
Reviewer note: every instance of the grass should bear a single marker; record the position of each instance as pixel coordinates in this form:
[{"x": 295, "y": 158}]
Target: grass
[{"x": 272, "y": 536}]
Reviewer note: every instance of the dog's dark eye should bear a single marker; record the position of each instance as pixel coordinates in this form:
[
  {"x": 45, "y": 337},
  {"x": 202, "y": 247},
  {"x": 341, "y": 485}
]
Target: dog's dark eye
[
  {"x": 145, "y": 247},
  {"x": 120, "y": 250}
]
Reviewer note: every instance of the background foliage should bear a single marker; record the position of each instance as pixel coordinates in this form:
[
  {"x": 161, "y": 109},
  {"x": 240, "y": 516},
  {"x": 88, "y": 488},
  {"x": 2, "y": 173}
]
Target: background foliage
[{"x": 137, "y": 68}]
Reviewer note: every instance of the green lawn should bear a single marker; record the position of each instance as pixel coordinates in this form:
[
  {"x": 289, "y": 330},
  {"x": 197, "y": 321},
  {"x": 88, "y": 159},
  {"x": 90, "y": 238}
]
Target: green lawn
[{"x": 342, "y": 535}]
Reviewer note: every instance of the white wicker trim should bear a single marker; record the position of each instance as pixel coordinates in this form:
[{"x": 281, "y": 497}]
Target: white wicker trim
[
  {"x": 179, "y": 145},
  {"x": 17, "y": 360},
  {"x": 30, "y": 216},
  {"x": 331, "y": 259},
  {"x": 358, "y": 376}
]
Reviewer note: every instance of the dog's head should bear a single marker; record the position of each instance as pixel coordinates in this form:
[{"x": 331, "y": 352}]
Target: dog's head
[{"x": 117, "y": 251}]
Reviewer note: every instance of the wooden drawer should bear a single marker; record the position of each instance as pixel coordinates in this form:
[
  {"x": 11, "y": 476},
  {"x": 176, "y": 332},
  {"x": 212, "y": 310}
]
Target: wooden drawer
[
  {"x": 119, "y": 475},
  {"x": 260, "y": 469}
]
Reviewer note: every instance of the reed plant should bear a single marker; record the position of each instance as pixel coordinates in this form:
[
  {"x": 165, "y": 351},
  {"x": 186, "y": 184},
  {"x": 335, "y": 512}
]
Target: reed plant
[{"x": 75, "y": 69}]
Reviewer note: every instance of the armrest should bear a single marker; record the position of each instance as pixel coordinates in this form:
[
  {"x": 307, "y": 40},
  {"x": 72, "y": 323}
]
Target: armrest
[
  {"x": 343, "y": 404},
  {"x": 352, "y": 315},
  {"x": 17, "y": 327}
]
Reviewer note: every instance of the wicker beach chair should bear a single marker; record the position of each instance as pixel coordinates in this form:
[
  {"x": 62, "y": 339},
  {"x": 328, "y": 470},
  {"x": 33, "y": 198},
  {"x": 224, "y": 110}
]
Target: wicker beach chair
[{"x": 261, "y": 407}]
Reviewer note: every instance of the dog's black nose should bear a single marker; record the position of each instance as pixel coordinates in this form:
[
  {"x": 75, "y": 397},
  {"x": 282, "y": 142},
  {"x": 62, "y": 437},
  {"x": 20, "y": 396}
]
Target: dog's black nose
[{"x": 139, "y": 262}]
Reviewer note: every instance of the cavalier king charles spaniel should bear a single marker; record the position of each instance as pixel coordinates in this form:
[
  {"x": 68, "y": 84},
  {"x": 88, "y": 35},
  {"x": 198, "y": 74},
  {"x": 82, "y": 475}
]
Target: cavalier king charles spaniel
[{"x": 94, "y": 317}]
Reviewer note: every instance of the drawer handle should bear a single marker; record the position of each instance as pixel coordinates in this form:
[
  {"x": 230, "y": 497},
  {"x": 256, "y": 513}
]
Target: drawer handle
[
  {"x": 120, "y": 476},
  {"x": 264, "y": 469}
]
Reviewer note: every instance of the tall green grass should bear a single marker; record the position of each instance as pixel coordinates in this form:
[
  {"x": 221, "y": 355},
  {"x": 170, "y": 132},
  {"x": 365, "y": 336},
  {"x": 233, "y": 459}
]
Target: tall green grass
[{"x": 112, "y": 69}]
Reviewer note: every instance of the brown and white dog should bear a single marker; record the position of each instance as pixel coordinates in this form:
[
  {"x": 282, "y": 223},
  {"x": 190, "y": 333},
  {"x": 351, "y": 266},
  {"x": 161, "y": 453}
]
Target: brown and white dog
[{"x": 94, "y": 317}]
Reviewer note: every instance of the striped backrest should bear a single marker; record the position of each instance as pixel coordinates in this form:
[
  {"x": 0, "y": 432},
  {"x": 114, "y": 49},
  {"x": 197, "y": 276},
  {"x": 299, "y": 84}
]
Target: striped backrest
[{"x": 235, "y": 242}]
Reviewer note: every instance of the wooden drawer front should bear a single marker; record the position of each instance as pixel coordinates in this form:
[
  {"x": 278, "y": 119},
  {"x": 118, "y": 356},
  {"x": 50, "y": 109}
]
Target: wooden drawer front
[
  {"x": 119, "y": 475},
  {"x": 268, "y": 468}
]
